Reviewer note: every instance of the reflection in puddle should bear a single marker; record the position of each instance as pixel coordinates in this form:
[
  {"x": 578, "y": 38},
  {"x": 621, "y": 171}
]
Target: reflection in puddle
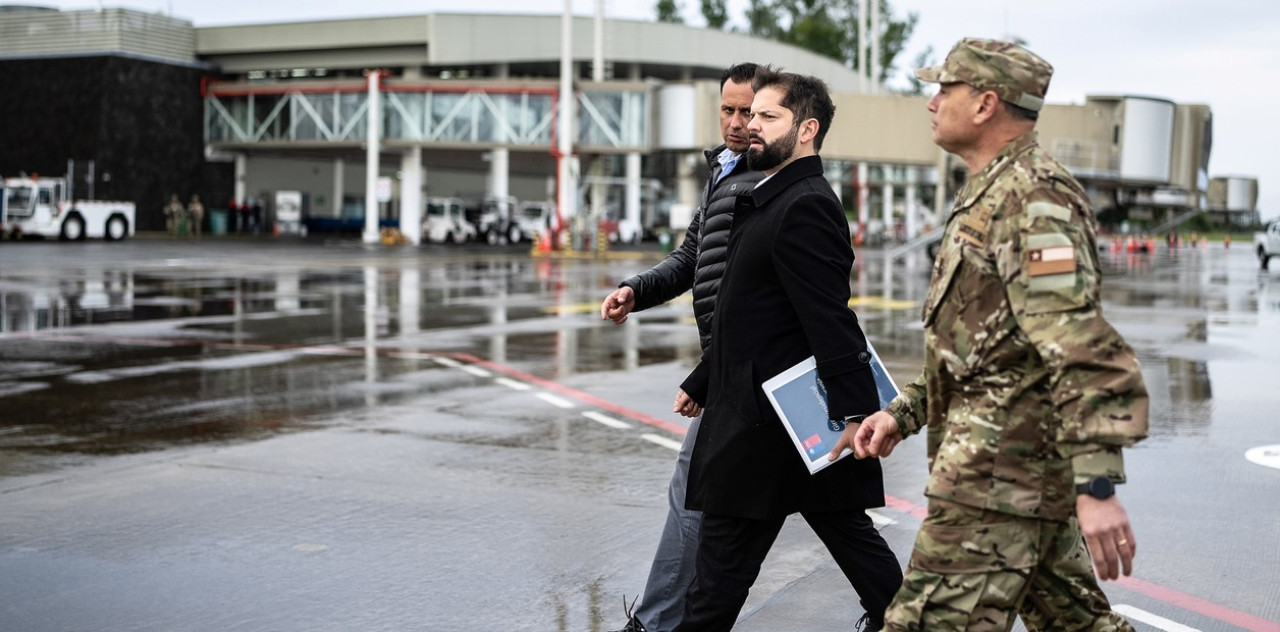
[{"x": 195, "y": 355}]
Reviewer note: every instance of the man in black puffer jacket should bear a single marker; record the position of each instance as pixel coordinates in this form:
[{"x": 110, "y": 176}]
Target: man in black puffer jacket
[{"x": 698, "y": 264}]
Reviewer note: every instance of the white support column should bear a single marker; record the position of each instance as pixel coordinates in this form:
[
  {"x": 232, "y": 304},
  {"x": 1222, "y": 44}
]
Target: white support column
[
  {"x": 910, "y": 204},
  {"x": 873, "y": 72},
  {"x": 862, "y": 44},
  {"x": 371, "y": 235},
  {"x": 597, "y": 55},
  {"x": 567, "y": 184},
  {"x": 339, "y": 185},
  {"x": 500, "y": 173},
  {"x": 864, "y": 201},
  {"x": 242, "y": 167},
  {"x": 411, "y": 196},
  {"x": 632, "y": 206},
  {"x": 886, "y": 205}
]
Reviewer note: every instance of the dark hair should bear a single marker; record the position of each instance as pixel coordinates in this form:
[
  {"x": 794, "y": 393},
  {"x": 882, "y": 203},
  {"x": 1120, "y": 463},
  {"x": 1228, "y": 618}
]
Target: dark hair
[
  {"x": 738, "y": 73},
  {"x": 1019, "y": 112},
  {"x": 806, "y": 96}
]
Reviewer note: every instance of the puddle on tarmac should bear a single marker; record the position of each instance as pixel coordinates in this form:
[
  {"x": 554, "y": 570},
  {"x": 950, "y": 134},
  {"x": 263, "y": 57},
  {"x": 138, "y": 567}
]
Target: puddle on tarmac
[{"x": 196, "y": 363}]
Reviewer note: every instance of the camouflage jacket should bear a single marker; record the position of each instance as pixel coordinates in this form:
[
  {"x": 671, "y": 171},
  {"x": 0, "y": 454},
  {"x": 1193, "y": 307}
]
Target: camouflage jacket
[{"x": 1025, "y": 385}]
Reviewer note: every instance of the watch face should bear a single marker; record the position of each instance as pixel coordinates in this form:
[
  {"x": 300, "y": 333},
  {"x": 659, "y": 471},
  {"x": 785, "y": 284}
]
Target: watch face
[{"x": 1101, "y": 488}]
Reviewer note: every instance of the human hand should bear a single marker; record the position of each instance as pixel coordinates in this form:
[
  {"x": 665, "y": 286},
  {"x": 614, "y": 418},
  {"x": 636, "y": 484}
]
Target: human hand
[
  {"x": 1107, "y": 533},
  {"x": 617, "y": 305},
  {"x": 876, "y": 436},
  {"x": 685, "y": 405}
]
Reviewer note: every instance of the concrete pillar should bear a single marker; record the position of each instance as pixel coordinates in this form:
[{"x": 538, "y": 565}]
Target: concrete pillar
[
  {"x": 501, "y": 70},
  {"x": 242, "y": 167},
  {"x": 567, "y": 184},
  {"x": 636, "y": 74},
  {"x": 500, "y": 173},
  {"x": 339, "y": 185},
  {"x": 910, "y": 205},
  {"x": 886, "y": 204},
  {"x": 597, "y": 52},
  {"x": 371, "y": 235},
  {"x": 599, "y": 200},
  {"x": 862, "y": 45},
  {"x": 873, "y": 70},
  {"x": 411, "y": 195},
  {"x": 632, "y": 206},
  {"x": 687, "y": 191}
]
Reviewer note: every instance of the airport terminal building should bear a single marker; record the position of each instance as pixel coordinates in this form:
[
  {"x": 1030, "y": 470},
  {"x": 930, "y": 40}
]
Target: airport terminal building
[{"x": 466, "y": 107}]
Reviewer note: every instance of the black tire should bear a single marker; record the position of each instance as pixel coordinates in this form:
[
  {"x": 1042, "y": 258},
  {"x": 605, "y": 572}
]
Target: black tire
[
  {"x": 514, "y": 235},
  {"x": 73, "y": 228},
  {"x": 491, "y": 236},
  {"x": 1263, "y": 259},
  {"x": 117, "y": 228}
]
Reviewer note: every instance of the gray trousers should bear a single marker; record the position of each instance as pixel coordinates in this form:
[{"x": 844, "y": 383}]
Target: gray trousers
[{"x": 662, "y": 607}]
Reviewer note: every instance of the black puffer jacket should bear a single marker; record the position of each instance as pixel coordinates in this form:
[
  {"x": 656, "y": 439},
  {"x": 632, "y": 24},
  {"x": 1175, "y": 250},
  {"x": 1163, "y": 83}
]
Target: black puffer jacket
[{"x": 699, "y": 261}]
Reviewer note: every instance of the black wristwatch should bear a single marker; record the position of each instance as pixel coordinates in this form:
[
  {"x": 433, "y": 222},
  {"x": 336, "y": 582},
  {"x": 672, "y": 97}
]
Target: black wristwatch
[{"x": 1099, "y": 487}]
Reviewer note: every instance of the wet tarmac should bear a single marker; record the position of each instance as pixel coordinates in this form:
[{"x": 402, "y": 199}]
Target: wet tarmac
[{"x": 282, "y": 435}]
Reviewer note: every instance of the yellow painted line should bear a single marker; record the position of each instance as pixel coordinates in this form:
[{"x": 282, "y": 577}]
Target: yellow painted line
[
  {"x": 585, "y": 308},
  {"x": 879, "y": 302},
  {"x": 866, "y": 302}
]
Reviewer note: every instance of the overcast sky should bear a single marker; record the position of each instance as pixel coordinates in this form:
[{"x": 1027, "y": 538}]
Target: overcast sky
[{"x": 1225, "y": 54}]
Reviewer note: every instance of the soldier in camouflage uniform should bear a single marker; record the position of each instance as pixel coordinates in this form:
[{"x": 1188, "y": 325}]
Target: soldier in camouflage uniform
[{"x": 1028, "y": 394}]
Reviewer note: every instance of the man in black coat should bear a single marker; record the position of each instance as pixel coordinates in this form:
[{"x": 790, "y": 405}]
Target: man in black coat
[
  {"x": 783, "y": 297},
  {"x": 698, "y": 264}
]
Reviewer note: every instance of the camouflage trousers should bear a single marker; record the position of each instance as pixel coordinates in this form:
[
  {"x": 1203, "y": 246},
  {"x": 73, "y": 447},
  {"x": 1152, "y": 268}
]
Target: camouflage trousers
[{"x": 975, "y": 570}]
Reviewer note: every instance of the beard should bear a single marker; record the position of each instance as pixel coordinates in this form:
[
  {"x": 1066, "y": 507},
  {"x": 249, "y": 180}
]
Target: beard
[{"x": 773, "y": 154}]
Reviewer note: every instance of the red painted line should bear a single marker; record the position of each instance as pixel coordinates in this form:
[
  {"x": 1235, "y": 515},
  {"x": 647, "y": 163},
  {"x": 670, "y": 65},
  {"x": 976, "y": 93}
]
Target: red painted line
[
  {"x": 1196, "y": 604},
  {"x": 578, "y": 395},
  {"x": 905, "y": 506},
  {"x": 1160, "y": 593}
]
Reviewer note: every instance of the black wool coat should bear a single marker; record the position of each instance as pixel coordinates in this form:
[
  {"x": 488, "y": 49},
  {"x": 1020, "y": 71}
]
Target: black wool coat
[{"x": 784, "y": 296}]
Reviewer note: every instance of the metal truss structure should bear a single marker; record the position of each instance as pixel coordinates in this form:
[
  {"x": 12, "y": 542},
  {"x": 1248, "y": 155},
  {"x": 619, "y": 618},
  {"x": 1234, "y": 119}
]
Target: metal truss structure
[{"x": 609, "y": 119}]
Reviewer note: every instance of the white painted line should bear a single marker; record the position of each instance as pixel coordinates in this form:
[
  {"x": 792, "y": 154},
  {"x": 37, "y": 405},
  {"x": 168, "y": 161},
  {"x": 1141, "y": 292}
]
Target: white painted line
[
  {"x": 1139, "y": 614},
  {"x": 662, "y": 441},
  {"x": 1266, "y": 455},
  {"x": 510, "y": 383},
  {"x": 449, "y": 362},
  {"x": 554, "y": 401},
  {"x": 606, "y": 420},
  {"x": 475, "y": 370},
  {"x": 880, "y": 519}
]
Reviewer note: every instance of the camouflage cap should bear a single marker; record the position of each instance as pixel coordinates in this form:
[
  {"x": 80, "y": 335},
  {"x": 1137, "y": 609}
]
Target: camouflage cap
[{"x": 1018, "y": 75}]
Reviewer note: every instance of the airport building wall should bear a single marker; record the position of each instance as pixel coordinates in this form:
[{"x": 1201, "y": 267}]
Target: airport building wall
[{"x": 139, "y": 120}]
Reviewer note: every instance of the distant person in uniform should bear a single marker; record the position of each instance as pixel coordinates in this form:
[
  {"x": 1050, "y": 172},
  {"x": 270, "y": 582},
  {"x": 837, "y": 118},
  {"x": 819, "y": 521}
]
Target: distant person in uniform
[
  {"x": 173, "y": 215},
  {"x": 255, "y": 214},
  {"x": 1027, "y": 394},
  {"x": 196, "y": 211}
]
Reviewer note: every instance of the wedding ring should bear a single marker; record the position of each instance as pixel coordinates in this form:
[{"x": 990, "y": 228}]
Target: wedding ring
[{"x": 1122, "y": 542}]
